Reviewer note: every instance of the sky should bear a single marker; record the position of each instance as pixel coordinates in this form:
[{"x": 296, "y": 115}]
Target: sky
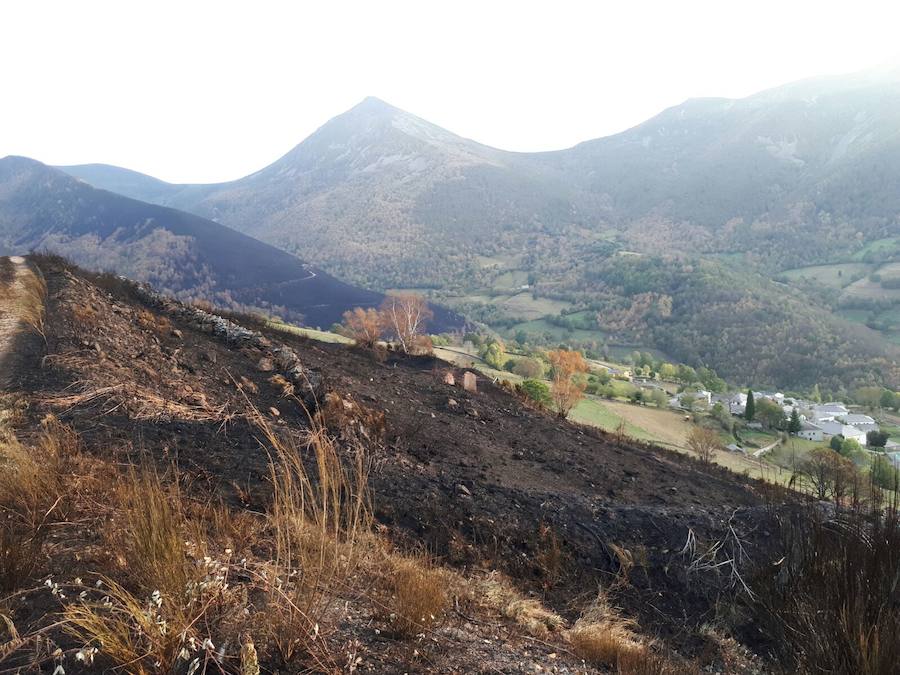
[{"x": 197, "y": 91}]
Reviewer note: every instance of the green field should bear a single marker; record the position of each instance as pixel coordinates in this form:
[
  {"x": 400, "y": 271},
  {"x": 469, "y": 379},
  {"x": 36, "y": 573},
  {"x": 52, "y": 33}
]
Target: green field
[
  {"x": 320, "y": 335},
  {"x": 880, "y": 247},
  {"x": 838, "y": 275},
  {"x": 594, "y": 413}
]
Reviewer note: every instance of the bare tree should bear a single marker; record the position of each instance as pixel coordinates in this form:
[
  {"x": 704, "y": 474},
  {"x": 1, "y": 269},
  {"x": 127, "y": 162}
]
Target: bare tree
[
  {"x": 829, "y": 473},
  {"x": 405, "y": 315},
  {"x": 704, "y": 443}
]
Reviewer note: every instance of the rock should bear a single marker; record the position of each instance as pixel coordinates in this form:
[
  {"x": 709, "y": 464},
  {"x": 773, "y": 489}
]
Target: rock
[
  {"x": 452, "y": 403},
  {"x": 449, "y": 379},
  {"x": 470, "y": 382},
  {"x": 177, "y": 333},
  {"x": 464, "y": 490},
  {"x": 265, "y": 365}
]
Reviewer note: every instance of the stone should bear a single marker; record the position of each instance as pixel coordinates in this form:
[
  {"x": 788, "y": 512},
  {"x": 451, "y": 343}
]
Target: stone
[
  {"x": 470, "y": 382},
  {"x": 449, "y": 379},
  {"x": 177, "y": 333},
  {"x": 452, "y": 403},
  {"x": 265, "y": 365}
]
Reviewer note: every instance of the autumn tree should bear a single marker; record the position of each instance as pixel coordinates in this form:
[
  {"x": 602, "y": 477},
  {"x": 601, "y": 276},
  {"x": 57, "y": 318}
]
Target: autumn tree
[
  {"x": 365, "y": 326},
  {"x": 568, "y": 382},
  {"x": 405, "y": 316},
  {"x": 704, "y": 443}
]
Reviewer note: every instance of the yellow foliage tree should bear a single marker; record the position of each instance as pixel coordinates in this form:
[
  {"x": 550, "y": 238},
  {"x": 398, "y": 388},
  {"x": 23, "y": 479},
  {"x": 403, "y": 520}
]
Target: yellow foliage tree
[{"x": 568, "y": 383}]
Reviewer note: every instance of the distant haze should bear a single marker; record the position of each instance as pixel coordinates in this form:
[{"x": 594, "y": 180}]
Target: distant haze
[{"x": 211, "y": 91}]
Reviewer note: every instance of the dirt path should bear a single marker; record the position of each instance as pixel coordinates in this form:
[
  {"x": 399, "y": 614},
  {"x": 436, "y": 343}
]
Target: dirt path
[{"x": 12, "y": 272}]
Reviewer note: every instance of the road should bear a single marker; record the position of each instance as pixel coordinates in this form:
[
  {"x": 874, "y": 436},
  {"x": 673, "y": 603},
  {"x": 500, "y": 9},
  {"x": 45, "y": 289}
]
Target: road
[{"x": 762, "y": 451}]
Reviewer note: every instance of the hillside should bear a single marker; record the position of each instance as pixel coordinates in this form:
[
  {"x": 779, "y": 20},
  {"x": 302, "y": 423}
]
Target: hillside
[
  {"x": 182, "y": 254},
  {"x": 741, "y": 189},
  {"x": 520, "y": 504}
]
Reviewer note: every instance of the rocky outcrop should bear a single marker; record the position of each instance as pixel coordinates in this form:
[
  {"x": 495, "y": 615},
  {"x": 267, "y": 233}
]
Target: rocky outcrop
[{"x": 309, "y": 384}]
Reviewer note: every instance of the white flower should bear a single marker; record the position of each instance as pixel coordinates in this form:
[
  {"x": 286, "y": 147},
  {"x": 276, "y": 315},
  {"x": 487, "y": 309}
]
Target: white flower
[{"x": 86, "y": 655}]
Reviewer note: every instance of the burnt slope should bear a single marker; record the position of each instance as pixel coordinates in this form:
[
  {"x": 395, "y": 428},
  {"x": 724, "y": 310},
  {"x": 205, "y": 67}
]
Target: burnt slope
[
  {"x": 179, "y": 253},
  {"x": 479, "y": 481}
]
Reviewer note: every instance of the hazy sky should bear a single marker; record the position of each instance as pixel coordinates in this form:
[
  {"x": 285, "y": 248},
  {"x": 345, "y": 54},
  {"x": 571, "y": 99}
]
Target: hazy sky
[{"x": 208, "y": 91}]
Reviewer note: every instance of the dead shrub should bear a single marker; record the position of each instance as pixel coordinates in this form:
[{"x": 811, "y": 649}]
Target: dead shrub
[
  {"x": 417, "y": 597},
  {"x": 347, "y": 419}
]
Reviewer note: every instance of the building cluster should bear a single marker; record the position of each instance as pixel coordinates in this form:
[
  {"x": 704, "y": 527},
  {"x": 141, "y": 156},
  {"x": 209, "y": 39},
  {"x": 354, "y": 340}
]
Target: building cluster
[{"x": 818, "y": 421}]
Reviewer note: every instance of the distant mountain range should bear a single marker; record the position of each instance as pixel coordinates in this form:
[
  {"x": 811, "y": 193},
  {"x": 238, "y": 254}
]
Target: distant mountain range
[
  {"x": 713, "y": 190},
  {"x": 42, "y": 208}
]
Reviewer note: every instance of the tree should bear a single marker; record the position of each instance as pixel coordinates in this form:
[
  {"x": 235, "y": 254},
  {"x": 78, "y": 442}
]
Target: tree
[
  {"x": 836, "y": 442},
  {"x": 659, "y": 398},
  {"x": 770, "y": 414},
  {"x": 884, "y": 474},
  {"x": 876, "y": 439},
  {"x": 704, "y": 443},
  {"x": 816, "y": 395},
  {"x": 405, "y": 315},
  {"x": 365, "y": 326},
  {"x": 568, "y": 383},
  {"x": 794, "y": 424},
  {"x": 688, "y": 401},
  {"x": 721, "y": 414},
  {"x": 849, "y": 447},
  {"x": 887, "y": 399},
  {"x": 494, "y": 354},
  {"x": 828, "y": 472},
  {"x": 869, "y": 396},
  {"x": 536, "y": 391},
  {"x": 750, "y": 410}
]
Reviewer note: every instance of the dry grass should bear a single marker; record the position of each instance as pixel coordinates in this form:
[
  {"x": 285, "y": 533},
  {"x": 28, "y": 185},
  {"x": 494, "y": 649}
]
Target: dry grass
[
  {"x": 160, "y": 325},
  {"x": 419, "y": 595},
  {"x": 320, "y": 520},
  {"x": 32, "y": 496},
  {"x": 602, "y": 637},
  {"x": 154, "y": 623},
  {"x": 31, "y": 299},
  {"x": 497, "y": 593}
]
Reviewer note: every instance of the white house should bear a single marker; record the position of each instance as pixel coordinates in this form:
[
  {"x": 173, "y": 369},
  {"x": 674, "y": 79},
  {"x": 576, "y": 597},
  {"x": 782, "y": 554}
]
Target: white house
[
  {"x": 833, "y": 428},
  {"x": 861, "y": 422},
  {"x": 811, "y": 432},
  {"x": 828, "y": 411},
  {"x": 737, "y": 404}
]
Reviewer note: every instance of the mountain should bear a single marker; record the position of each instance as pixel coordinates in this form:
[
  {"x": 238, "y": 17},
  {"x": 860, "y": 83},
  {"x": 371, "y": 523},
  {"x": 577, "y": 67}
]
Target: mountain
[
  {"x": 181, "y": 254},
  {"x": 745, "y": 190}
]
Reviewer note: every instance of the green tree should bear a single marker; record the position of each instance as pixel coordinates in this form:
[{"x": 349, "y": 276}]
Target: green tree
[
  {"x": 836, "y": 442},
  {"x": 659, "y": 398},
  {"x": 528, "y": 368},
  {"x": 770, "y": 414},
  {"x": 884, "y": 474},
  {"x": 849, "y": 447},
  {"x": 816, "y": 395},
  {"x": 876, "y": 439},
  {"x": 887, "y": 399},
  {"x": 536, "y": 391},
  {"x": 750, "y": 410},
  {"x": 494, "y": 354},
  {"x": 794, "y": 423}
]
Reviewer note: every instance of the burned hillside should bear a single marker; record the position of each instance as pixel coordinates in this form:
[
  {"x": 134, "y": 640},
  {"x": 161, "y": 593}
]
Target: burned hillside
[{"x": 473, "y": 485}]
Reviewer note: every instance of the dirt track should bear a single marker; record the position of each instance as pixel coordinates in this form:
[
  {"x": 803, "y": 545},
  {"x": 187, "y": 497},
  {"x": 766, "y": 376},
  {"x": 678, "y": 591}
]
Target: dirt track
[{"x": 12, "y": 270}]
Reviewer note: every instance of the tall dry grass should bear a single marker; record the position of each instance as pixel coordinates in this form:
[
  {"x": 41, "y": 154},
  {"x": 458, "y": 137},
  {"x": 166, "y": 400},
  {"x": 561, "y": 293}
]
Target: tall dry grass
[
  {"x": 30, "y": 304},
  {"x": 320, "y": 520},
  {"x": 33, "y": 491}
]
